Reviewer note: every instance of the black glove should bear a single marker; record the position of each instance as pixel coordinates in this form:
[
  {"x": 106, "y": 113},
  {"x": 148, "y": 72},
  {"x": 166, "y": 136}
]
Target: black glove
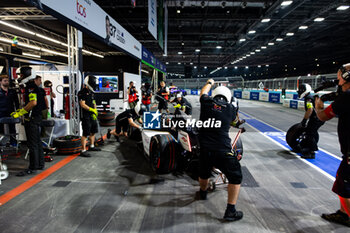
[{"x": 303, "y": 123}]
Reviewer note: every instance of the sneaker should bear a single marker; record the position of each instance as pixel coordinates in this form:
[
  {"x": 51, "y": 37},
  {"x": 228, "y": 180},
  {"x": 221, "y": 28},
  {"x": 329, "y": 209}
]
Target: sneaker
[
  {"x": 26, "y": 172},
  {"x": 94, "y": 149},
  {"x": 109, "y": 133},
  {"x": 85, "y": 154},
  {"x": 309, "y": 155},
  {"x": 201, "y": 195},
  {"x": 337, "y": 217},
  {"x": 117, "y": 138},
  {"x": 233, "y": 216}
]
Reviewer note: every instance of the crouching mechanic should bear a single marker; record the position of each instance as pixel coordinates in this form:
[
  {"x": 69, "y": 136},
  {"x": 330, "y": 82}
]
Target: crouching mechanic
[
  {"x": 32, "y": 112},
  {"x": 215, "y": 146},
  {"x": 89, "y": 114},
  {"x": 310, "y": 122},
  {"x": 182, "y": 104},
  {"x": 126, "y": 119},
  {"x": 341, "y": 108}
]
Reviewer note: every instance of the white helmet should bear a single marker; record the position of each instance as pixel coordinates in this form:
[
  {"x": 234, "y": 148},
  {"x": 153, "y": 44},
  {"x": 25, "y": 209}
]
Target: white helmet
[
  {"x": 26, "y": 74},
  {"x": 222, "y": 91},
  {"x": 303, "y": 90},
  {"x": 139, "y": 109},
  {"x": 90, "y": 82},
  {"x": 178, "y": 95}
]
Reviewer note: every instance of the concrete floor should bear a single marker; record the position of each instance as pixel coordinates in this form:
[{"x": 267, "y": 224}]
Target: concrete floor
[{"x": 114, "y": 191}]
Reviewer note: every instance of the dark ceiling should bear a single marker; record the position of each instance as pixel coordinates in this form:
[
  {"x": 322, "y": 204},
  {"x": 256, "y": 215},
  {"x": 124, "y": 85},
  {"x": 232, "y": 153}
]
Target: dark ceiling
[{"x": 206, "y": 24}]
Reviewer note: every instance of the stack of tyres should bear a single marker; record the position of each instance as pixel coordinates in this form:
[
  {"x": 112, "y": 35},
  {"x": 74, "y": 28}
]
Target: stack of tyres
[
  {"x": 67, "y": 145},
  {"x": 106, "y": 118}
]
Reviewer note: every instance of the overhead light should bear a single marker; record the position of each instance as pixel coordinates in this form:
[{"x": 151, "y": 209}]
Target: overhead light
[
  {"x": 144, "y": 71},
  {"x": 205, "y": 67},
  {"x": 1, "y": 49},
  {"x": 195, "y": 67},
  {"x": 286, "y": 3},
  {"x": 236, "y": 67},
  {"x": 31, "y": 55},
  {"x": 218, "y": 47},
  {"x": 279, "y": 39},
  {"x": 248, "y": 55},
  {"x": 225, "y": 67},
  {"x": 91, "y": 53},
  {"x": 178, "y": 11},
  {"x": 179, "y": 53},
  {"x": 303, "y": 27},
  {"x": 197, "y": 50},
  {"x": 251, "y": 32},
  {"x": 247, "y": 67},
  {"x": 182, "y": 43},
  {"x": 244, "y": 57},
  {"x": 257, "y": 50},
  {"x": 191, "y": 63},
  {"x": 271, "y": 43},
  {"x": 267, "y": 65},
  {"x": 164, "y": 55},
  {"x": 179, "y": 63},
  {"x": 242, "y": 40},
  {"x": 263, "y": 47},
  {"x": 54, "y": 52},
  {"x": 318, "y": 64},
  {"x": 342, "y": 8},
  {"x": 265, "y": 20},
  {"x": 252, "y": 52},
  {"x": 48, "y": 38},
  {"x": 28, "y": 46},
  {"x": 318, "y": 19},
  {"x": 259, "y": 66},
  {"x": 290, "y": 34},
  {"x": 16, "y": 27},
  {"x": 167, "y": 63}
]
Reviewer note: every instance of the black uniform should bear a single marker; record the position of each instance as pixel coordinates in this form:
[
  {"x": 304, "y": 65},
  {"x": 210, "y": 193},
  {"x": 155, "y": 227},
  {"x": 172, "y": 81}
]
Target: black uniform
[
  {"x": 88, "y": 124},
  {"x": 32, "y": 126},
  {"x": 8, "y": 104},
  {"x": 184, "y": 102},
  {"x": 122, "y": 120},
  {"x": 215, "y": 143},
  {"x": 163, "y": 104},
  {"x": 311, "y": 135},
  {"x": 341, "y": 108}
]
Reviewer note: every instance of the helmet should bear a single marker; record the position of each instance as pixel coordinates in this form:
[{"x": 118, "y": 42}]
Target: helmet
[
  {"x": 139, "y": 109},
  {"x": 222, "y": 91},
  {"x": 47, "y": 83},
  {"x": 26, "y": 74},
  {"x": 90, "y": 82},
  {"x": 303, "y": 90},
  {"x": 178, "y": 95}
]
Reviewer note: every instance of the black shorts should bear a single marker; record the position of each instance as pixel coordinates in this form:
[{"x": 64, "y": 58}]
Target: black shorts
[
  {"x": 121, "y": 126},
  {"x": 163, "y": 105},
  {"x": 225, "y": 161},
  {"x": 89, "y": 126},
  {"x": 341, "y": 184}
]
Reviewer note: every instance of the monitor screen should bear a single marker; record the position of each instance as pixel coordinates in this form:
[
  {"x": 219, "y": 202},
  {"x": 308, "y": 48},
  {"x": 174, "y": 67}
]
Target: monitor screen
[{"x": 107, "y": 84}]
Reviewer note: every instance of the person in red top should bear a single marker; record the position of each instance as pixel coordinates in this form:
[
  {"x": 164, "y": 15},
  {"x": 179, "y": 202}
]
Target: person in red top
[
  {"x": 340, "y": 107},
  {"x": 146, "y": 96},
  {"x": 132, "y": 95}
]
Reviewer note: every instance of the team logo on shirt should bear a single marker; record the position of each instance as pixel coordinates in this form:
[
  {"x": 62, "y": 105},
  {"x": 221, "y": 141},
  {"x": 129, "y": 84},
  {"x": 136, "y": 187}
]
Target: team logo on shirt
[{"x": 217, "y": 107}]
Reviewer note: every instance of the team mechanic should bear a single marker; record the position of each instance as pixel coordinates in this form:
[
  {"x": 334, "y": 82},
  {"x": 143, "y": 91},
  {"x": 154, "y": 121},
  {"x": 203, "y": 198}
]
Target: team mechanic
[
  {"x": 89, "y": 114},
  {"x": 182, "y": 104},
  {"x": 220, "y": 108},
  {"x": 310, "y": 122},
  {"x": 32, "y": 112},
  {"x": 341, "y": 108},
  {"x": 126, "y": 119}
]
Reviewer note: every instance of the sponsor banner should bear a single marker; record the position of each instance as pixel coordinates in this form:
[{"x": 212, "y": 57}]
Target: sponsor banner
[
  {"x": 88, "y": 15},
  {"x": 286, "y": 103},
  {"x": 237, "y": 94},
  {"x": 254, "y": 95},
  {"x": 194, "y": 92},
  {"x": 293, "y": 104},
  {"x": 152, "y": 18},
  {"x": 289, "y": 96},
  {"x": 148, "y": 57},
  {"x": 275, "y": 97},
  {"x": 301, "y": 104},
  {"x": 264, "y": 96},
  {"x": 245, "y": 95}
]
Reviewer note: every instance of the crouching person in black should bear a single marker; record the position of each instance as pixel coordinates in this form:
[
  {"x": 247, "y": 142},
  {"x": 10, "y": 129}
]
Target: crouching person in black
[
  {"x": 182, "y": 104},
  {"x": 215, "y": 146},
  {"x": 341, "y": 108}
]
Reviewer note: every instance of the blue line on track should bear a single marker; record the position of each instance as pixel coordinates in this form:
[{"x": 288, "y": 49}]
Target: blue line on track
[{"x": 323, "y": 160}]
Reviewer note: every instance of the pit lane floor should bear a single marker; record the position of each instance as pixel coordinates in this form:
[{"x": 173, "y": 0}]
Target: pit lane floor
[{"x": 116, "y": 191}]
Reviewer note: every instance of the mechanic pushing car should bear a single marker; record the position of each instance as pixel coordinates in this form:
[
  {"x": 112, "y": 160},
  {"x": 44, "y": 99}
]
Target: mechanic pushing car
[
  {"x": 182, "y": 104},
  {"x": 89, "y": 114},
  {"x": 215, "y": 146},
  {"x": 126, "y": 119},
  {"x": 32, "y": 112},
  {"x": 310, "y": 122}
]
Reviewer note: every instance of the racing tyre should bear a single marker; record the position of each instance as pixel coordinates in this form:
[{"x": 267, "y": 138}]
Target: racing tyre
[
  {"x": 163, "y": 152},
  {"x": 293, "y": 135},
  {"x": 106, "y": 116},
  {"x": 67, "y": 145},
  {"x": 134, "y": 134}
]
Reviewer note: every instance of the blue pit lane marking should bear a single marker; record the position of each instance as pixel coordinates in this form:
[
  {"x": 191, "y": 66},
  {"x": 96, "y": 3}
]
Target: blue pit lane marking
[{"x": 323, "y": 160}]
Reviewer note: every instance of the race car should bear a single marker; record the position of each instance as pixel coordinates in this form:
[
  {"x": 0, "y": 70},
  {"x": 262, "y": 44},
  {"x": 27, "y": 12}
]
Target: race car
[{"x": 175, "y": 90}]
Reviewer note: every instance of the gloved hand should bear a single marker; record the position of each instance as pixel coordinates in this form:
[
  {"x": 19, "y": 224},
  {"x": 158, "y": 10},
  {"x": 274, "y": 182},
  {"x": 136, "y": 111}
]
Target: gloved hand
[
  {"x": 183, "y": 108},
  {"x": 177, "y": 106},
  {"x": 94, "y": 117},
  {"x": 303, "y": 122},
  {"x": 94, "y": 111},
  {"x": 141, "y": 129},
  {"x": 18, "y": 113}
]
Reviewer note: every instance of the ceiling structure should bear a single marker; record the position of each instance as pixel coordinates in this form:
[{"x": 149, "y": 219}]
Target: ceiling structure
[
  {"x": 230, "y": 37},
  {"x": 319, "y": 47}
]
